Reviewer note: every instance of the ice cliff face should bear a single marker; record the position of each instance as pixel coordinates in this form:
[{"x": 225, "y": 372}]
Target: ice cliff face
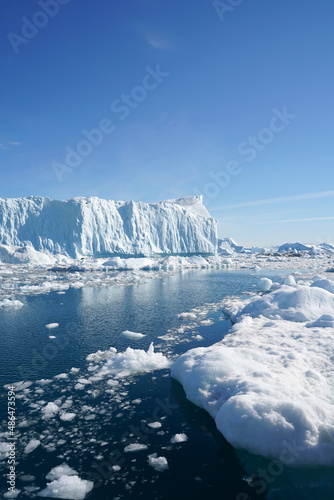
[{"x": 92, "y": 226}]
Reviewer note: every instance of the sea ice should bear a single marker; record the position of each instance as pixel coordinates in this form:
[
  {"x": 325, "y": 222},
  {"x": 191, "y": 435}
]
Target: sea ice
[
  {"x": 133, "y": 335},
  {"x": 67, "y": 487},
  {"x": 179, "y": 438},
  {"x": 134, "y": 361},
  {"x": 158, "y": 463},
  {"x": 32, "y": 445},
  {"x": 264, "y": 284},
  {"x": 135, "y": 447},
  {"x": 269, "y": 383}
]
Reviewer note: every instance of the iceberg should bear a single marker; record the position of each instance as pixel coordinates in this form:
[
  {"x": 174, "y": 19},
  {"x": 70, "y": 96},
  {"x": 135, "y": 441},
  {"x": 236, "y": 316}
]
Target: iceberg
[{"x": 95, "y": 227}]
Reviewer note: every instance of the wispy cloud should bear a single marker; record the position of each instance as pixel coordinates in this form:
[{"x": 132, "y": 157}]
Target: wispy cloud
[
  {"x": 283, "y": 199},
  {"x": 307, "y": 219},
  {"x": 8, "y": 144}
]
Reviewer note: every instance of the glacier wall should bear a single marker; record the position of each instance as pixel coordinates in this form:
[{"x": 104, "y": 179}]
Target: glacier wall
[{"x": 97, "y": 227}]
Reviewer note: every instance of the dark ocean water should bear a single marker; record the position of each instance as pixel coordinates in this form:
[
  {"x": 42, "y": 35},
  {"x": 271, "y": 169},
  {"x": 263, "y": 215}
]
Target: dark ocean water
[{"x": 92, "y": 319}]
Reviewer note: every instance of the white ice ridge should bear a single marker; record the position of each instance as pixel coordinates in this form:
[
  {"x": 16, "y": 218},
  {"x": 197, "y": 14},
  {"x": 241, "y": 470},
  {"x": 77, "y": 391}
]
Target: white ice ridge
[
  {"x": 269, "y": 384},
  {"x": 92, "y": 226}
]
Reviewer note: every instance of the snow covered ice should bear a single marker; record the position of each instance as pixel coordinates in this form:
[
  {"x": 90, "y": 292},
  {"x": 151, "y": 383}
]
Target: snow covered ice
[{"x": 269, "y": 383}]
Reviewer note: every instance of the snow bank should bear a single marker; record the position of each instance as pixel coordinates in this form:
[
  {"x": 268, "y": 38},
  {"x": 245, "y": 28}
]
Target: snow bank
[
  {"x": 269, "y": 383},
  {"x": 301, "y": 303},
  {"x": 96, "y": 227}
]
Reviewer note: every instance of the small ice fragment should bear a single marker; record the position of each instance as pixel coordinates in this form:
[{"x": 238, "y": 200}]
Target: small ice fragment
[
  {"x": 158, "y": 463},
  {"x": 179, "y": 438}
]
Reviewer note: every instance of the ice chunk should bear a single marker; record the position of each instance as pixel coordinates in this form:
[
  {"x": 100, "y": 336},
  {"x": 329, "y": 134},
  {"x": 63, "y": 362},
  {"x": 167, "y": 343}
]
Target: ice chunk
[
  {"x": 50, "y": 410},
  {"x": 301, "y": 303},
  {"x": 134, "y": 361},
  {"x": 52, "y": 325},
  {"x": 154, "y": 425},
  {"x": 290, "y": 281},
  {"x": 67, "y": 417},
  {"x": 158, "y": 463},
  {"x": 264, "y": 284},
  {"x": 67, "y": 487},
  {"x": 133, "y": 335},
  {"x": 4, "y": 450},
  {"x": 32, "y": 445},
  {"x": 135, "y": 447},
  {"x": 61, "y": 470},
  {"x": 179, "y": 438}
]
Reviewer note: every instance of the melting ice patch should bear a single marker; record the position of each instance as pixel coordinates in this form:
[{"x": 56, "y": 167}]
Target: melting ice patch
[{"x": 269, "y": 383}]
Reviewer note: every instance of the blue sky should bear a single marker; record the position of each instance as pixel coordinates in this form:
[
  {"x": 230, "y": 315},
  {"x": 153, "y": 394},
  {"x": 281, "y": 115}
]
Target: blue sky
[{"x": 232, "y": 100}]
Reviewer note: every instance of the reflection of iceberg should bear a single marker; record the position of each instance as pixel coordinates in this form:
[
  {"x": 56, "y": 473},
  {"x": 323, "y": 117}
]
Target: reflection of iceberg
[{"x": 96, "y": 227}]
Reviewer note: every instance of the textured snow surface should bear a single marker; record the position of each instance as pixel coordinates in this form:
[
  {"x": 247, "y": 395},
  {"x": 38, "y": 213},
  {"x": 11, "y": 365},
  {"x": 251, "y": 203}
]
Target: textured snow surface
[
  {"x": 269, "y": 384},
  {"x": 92, "y": 226}
]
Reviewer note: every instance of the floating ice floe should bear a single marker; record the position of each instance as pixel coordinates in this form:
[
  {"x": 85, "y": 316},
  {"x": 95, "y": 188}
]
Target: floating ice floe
[
  {"x": 66, "y": 484},
  {"x": 179, "y": 438},
  {"x": 133, "y": 447},
  {"x": 133, "y": 335},
  {"x": 32, "y": 445},
  {"x": 269, "y": 383},
  {"x": 133, "y": 361},
  {"x": 158, "y": 463}
]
